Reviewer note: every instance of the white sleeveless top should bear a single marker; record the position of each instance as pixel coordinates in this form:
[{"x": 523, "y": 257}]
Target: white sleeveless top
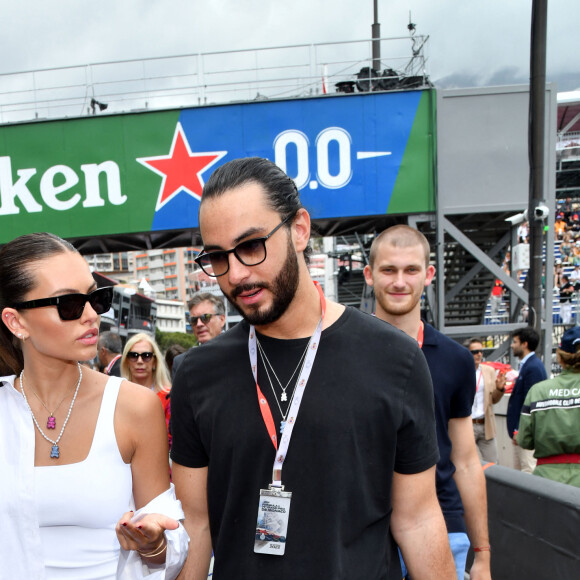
[{"x": 79, "y": 504}]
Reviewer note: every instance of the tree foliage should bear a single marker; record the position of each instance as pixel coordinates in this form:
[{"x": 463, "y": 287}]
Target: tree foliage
[{"x": 166, "y": 339}]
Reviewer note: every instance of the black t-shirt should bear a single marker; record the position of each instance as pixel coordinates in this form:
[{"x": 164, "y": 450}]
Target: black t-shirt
[
  {"x": 566, "y": 291},
  {"x": 453, "y": 373},
  {"x": 367, "y": 411}
]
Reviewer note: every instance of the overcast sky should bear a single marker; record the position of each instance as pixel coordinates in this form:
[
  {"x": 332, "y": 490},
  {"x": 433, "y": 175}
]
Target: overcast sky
[{"x": 471, "y": 42}]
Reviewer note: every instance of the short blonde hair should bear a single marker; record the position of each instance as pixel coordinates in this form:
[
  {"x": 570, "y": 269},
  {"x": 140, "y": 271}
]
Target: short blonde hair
[
  {"x": 161, "y": 380},
  {"x": 400, "y": 236}
]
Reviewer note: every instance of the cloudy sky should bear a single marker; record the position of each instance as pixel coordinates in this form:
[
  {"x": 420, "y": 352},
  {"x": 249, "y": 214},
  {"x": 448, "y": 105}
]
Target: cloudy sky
[{"x": 471, "y": 43}]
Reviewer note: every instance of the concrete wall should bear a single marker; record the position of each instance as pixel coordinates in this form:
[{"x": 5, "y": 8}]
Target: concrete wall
[{"x": 534, "y": 526}]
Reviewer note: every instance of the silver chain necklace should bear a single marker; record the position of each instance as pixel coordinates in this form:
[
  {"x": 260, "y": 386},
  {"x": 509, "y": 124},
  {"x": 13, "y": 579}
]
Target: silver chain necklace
[
  {"x": 284, "y": 397},
  {"x": 274, "y": 391},
  {"x": 267, "y": 363},
  {"x": 55, "y": 451},
  {"x": 284, "y": 415}
]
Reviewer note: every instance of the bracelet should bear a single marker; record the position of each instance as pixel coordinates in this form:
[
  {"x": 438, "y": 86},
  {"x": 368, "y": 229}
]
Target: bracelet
[
  {"x": 156, "y": 551},
  {"x": 482, "y": 549}
]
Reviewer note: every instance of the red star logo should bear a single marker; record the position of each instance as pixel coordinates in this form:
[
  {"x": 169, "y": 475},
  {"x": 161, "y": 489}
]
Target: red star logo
[{"x": 181, "y": 169}]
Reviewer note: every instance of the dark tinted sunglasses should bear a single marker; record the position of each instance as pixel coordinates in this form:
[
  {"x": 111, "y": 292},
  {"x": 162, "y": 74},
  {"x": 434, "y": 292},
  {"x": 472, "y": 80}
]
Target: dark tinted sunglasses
[
  {"x": 71, "y": 306},
  {"x": 476, "y": 351},
  {"x": 205, "y": 318},
  {"x": 249, "y": 253},
  {"x": 146, "y": 356}
]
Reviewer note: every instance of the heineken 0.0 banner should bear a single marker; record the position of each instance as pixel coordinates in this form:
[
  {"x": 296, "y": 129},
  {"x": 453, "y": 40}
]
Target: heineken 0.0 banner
[{"x": 351, "y": 155}]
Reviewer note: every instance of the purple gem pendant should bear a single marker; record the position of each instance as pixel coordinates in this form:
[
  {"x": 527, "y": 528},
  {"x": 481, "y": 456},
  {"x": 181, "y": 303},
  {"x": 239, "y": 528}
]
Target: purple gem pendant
[
  {"x": 51, "y": 422},
  {"x": 54, "y": 452}
]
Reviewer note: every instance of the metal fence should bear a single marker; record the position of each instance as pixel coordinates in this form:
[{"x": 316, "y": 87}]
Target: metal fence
[{"x": 207, "y": 78}]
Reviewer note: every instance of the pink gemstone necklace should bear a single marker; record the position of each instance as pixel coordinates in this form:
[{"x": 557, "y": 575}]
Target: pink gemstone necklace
[
  {"x": 51, "y": 421},
  {"x": 55, "y": 450}
]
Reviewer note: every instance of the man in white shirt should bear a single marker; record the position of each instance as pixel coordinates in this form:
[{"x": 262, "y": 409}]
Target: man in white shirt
[
  {"x": 575, "y": 277},
  {"x": 489, "y": 390}
]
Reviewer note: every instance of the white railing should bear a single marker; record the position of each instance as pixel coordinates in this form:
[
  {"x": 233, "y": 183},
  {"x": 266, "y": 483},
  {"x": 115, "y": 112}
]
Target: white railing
[{"x": 199, "y": 79}]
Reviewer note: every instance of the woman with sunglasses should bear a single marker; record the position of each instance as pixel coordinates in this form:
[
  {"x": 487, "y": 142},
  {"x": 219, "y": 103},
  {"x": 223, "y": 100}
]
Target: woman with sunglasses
[
  {"x": 74, "y": 451},
  {"x": 143, "y": 363}
]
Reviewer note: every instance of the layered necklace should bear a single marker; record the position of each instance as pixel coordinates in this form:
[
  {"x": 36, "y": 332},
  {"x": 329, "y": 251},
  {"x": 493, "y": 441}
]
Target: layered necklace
[
  {"x": 284, "y": 395},
  {"x": 51, "y": 422}
]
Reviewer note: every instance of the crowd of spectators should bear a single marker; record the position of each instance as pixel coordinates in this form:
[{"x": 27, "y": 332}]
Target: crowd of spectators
[
  {"x": 567, "y": 235},
  {"x": 567, "y": 264},
  {"x": 566, "y": 270}
]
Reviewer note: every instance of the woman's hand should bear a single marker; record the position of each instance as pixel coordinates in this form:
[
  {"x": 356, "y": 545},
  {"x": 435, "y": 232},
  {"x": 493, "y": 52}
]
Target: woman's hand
[{"x": 145, "y": 534}]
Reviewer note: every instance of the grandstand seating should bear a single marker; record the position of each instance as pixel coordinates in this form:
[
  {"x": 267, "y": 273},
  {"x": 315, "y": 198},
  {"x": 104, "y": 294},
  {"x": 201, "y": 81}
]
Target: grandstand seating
[{"x": 503, "y": 315}]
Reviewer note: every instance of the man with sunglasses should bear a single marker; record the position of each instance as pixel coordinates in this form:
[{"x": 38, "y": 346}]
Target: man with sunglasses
[
  {"x": 207, "y": 316},
  {"x": 328, "y": 492},
  {"x": 489, "y": 390}
]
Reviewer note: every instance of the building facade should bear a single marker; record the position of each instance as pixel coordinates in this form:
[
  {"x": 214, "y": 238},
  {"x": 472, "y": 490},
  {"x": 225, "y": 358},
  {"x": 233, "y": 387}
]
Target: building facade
[
  {"x": 168, "y": 271},
  {"x": 171, "y": 315}
]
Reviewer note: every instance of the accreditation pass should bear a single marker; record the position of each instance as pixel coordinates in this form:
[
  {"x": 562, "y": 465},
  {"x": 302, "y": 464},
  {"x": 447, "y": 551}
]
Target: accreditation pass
[{"x": 272, "y": 524}]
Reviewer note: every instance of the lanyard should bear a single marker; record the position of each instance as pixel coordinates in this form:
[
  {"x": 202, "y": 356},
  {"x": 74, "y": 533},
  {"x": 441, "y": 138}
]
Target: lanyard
[
  {"x": 110, "y": 365},
  {"x": 420, "y": 335},
  {"x": 297, "y": 399}
]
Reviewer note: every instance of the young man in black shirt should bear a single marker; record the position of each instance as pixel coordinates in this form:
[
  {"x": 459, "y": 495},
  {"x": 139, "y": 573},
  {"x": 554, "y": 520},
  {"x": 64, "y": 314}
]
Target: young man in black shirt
[{"x": 361, "y": 455}]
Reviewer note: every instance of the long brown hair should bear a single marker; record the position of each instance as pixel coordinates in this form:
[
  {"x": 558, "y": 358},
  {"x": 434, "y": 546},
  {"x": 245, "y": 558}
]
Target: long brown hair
[{"x": 17, "y": 260}]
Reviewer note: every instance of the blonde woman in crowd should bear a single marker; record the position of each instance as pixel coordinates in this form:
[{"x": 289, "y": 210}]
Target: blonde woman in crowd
[{"x": 143, "y": 363}]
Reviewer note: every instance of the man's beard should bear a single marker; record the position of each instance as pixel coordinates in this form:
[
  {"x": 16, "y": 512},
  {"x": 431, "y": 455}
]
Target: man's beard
[
  {"x": 283, "y": 289},
  {"x": 397, "y": 309}
]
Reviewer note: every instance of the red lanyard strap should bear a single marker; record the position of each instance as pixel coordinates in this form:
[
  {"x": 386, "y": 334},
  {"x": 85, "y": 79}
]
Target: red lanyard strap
[
  {"x": 300, "y": 387},
  {"x": 267, "y": 416},
  {"x": 421, "y": 334}
]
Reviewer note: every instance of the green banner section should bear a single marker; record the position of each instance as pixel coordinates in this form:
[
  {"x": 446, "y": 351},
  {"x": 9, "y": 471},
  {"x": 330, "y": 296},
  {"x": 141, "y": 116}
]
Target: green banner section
[
  {"x": 350, "y": 155},
  {"x": 80, "y": 177},
  {"x": 417, "y": 170}
]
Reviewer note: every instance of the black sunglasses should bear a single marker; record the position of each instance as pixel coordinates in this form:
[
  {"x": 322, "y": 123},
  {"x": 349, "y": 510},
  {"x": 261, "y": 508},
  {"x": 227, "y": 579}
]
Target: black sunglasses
[
  {"x": 205, "y": 318},
  {"x": 71, "y": 306},
  {"x": 249, "y": 253},
  {"x": 146, "y": 356},
  {"x": 476, "y": 351}
]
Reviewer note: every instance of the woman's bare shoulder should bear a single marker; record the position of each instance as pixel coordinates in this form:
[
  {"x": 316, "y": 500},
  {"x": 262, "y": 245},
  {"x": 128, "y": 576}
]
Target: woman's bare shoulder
[
  {"x": 139, "y": 420},
  {"x": 135, "y": 400}
]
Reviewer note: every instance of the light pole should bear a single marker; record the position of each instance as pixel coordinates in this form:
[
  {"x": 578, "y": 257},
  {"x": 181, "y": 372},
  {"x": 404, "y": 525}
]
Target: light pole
[
  {"x": 537, "y": 147},
  {"x": 376, "y": 34}
]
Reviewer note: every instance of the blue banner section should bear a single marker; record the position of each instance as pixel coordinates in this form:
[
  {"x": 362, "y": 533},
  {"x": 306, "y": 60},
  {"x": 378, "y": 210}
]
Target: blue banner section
[{"x": 344, "y": 152}]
